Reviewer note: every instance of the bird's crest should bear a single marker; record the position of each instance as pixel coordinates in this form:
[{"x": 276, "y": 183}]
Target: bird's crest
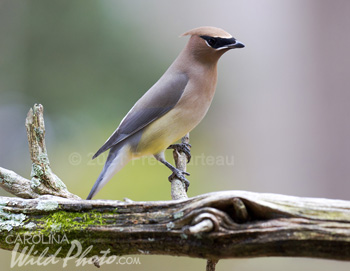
[{"x": 208, "y": 31}]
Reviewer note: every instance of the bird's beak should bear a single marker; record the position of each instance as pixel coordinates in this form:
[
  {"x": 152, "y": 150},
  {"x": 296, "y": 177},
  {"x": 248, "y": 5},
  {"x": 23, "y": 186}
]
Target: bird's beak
[{"x": 237, "y": 44}]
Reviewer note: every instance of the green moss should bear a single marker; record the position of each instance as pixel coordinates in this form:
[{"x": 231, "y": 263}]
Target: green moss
[
  {"x": 62, "y": 221},
  {"x": 70, "y": 225},
  {"x": 56, "y": 225}
]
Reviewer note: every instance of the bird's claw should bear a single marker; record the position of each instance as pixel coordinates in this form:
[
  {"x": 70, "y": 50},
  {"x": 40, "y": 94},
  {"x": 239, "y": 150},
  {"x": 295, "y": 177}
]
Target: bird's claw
[
  {"x": 180, "y": 175},
  {"x": 183, "y": 147}
]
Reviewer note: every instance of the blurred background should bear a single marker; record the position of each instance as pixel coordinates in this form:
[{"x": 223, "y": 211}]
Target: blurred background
[{"x": 279, "y": 122}]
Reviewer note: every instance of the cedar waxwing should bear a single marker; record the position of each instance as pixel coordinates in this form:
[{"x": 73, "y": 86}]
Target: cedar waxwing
[{"x": 171, "y": 108}]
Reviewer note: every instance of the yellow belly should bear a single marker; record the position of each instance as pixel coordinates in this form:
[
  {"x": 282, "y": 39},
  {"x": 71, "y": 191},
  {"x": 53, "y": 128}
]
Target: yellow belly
[
  {"x": 171, "y": 127},
  {"x": 161, "y": 133}
]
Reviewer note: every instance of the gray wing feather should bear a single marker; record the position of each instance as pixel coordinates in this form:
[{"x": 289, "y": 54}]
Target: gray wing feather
[{"x": 157, "y": 101}]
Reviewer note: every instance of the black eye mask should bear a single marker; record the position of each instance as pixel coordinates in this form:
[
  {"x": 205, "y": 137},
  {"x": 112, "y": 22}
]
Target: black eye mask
[{"x": 218, "y": 43}]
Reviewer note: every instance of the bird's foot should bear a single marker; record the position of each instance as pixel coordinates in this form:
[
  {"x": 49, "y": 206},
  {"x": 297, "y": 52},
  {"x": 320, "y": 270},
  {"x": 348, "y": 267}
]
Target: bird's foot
[
  {"x": 181, "y": 176},
  {"x": 183, "y": 147}
]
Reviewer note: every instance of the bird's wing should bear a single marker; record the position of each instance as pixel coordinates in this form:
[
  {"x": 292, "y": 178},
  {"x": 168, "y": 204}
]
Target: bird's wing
[{"x": 157, "y": 101}]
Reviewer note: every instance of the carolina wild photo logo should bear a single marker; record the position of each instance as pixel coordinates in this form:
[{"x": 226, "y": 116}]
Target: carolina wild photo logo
[{"x": 25, "y": 248}]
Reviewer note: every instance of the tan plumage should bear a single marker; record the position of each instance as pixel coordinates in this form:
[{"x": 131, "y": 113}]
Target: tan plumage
[
  {"x": 172, "y": 107},
  {"x": 208, "y": 31}
]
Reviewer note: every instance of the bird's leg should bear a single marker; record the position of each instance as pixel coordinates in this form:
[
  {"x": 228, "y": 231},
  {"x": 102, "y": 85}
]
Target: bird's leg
[
  {"x": 176, "y": 172},
  {"x": 183, "y": 147}
]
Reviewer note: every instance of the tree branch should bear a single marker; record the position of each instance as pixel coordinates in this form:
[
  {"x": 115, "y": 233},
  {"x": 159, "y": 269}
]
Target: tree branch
[
  {"x": 178, "y": 189},
  {"x": 16, "y": 184},
  {"x": 278, "y": 225},
  {"x": 43, "y": 180}
]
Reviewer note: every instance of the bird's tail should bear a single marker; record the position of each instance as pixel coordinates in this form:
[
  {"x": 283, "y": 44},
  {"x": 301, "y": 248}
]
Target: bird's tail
[{"x": 118, "y": 157}]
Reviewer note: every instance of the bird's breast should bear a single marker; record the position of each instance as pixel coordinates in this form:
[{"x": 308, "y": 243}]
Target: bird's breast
[{"x": 186, "y": 114}]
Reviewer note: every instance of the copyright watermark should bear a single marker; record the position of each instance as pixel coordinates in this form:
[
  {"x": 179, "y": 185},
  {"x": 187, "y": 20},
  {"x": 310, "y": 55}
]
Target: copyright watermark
[
  {"x": 26, "y": 246},
  {"x": 76, "y": 159}
]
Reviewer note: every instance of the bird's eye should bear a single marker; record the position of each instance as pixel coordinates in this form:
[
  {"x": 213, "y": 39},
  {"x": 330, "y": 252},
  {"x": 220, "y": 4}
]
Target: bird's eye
[{"x": 212, "y": 42}]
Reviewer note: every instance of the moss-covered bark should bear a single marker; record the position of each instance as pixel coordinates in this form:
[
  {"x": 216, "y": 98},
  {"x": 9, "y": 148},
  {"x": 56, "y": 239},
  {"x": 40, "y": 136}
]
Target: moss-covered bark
[{"x": 272, "y": 225}]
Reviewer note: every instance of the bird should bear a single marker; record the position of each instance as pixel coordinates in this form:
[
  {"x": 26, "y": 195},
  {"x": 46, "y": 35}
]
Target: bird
[{"x": 171, "y": 108}]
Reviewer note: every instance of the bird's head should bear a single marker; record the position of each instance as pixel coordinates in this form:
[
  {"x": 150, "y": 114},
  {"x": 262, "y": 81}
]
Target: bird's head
[{"x": 209, "y": 43}]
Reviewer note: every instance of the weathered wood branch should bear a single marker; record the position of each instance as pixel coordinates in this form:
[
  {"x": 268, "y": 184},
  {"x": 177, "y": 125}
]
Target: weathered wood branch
[
  {"x": 274, "y": 225},
  {"x": 213, "y": 226},
  {"x": 178, "y": 190},
  {"x": 43, "y": 180}
]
